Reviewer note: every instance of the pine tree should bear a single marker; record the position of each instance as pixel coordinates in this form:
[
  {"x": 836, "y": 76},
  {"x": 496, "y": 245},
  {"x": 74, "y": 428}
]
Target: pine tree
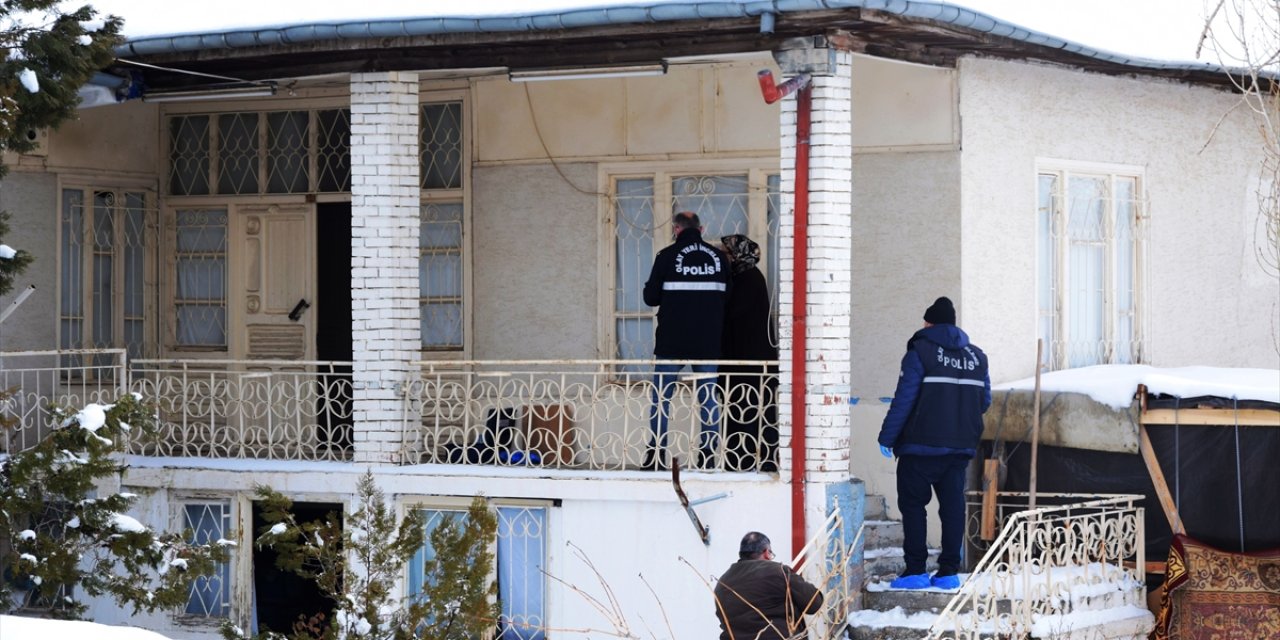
[
  {"x": 49, "y": 54},
  {"x": 59, "y": 541},
  {"x": 357, "y": 562}
]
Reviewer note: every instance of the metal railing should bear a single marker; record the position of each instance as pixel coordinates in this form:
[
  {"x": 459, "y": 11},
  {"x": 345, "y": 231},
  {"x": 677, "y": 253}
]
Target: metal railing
[
  {"x": 1086, "y": 552},
  {"x": 827, "y": 561},
  {"x": 37, "y": 381},
  {"x": 271, "y": 409},
  {"x": 592, "y": 414}
]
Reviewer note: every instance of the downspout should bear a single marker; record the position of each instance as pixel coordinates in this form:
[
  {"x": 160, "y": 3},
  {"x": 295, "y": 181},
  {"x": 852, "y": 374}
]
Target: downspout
[{"x": 800, "y": 258}]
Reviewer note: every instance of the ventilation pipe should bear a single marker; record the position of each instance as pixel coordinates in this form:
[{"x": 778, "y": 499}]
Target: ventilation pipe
[{"x": 803, "y": 87}]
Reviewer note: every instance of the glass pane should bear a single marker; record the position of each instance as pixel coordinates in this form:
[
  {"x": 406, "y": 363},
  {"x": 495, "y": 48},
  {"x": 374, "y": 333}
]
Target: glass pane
[
  {"x": 418, "y": 564},
  {"x": 189, "y": 155},
  {"x": 442, "y": 325},
  {"x": 440, "y": 275},
  {"x": 441, "y": 226},
  {"x": 721, "y": 203},
  {"x": 134, "y": 253},
  {"x": 201, "y": 325},
  {"x": 635, "y": 339},
  {"x": 200, "y": 277},
  {"x": 1086, "y": 270},
  {"x": 238, "y": 153},
  {"x": 521, "y": 560},
  {"x": 104, "y": 242},
  {"x": 333, "y": 152},
  {"x": 634, "y": 248},
  {"x": 71, "y": 263},
  {"x": 441, "y": 145},
  {"x": 205, "y": 524},
  {"x": 287, "y": 139}
]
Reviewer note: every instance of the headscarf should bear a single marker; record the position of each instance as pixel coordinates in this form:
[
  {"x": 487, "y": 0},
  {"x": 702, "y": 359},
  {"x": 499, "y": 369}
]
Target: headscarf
[{"x": 742, "y": 250}]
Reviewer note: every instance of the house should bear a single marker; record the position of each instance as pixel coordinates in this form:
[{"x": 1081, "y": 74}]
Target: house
[{"x": 415, "y": 246}]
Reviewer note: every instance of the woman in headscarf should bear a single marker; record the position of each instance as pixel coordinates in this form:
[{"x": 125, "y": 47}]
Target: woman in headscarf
[{"x": 751, "y": 436}]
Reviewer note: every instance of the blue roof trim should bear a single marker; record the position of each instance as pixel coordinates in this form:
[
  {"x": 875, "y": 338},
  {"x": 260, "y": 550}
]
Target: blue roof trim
[{"x": 640, "y": 13}]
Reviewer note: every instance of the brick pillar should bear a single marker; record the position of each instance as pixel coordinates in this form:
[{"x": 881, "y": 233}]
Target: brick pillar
[
  {"x": 385, "y": 317},
  {"x": 828, "y": 271}
]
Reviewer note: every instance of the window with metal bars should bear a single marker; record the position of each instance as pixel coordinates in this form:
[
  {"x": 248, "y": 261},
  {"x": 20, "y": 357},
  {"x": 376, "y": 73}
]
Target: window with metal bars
[
  {"x": 1090, "y": 227},
  {"x": 519, "y": 567},
  {"x": 103, "y": 269},
  {"x": 208, "y": 523},
  {"x": 643, "y": 205},
  {"x": 274, "y": 152},
  {"x": 200, "y": 278},
  {"x": 442, "y": 234}
]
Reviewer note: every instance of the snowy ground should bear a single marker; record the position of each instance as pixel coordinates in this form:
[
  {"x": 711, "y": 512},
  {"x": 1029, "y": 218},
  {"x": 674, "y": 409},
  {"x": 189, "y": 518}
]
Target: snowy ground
[{"x": 15, "y": 628}]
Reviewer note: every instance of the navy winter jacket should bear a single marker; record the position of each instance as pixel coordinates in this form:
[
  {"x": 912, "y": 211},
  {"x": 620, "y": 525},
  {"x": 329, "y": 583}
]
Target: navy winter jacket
[
  {"x": 689, "y": 284},
  {"x": 943, "y": 390}
]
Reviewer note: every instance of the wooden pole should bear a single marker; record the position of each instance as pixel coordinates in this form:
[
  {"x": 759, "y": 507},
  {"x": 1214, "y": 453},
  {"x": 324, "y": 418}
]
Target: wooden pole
[
  {"x": 1035, "y": 427},
  {"x": 990, "y": 478}
]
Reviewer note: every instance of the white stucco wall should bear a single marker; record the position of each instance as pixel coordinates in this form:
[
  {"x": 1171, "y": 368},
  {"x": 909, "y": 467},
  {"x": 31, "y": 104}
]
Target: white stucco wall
[
  {"x": 629, "y": 525},
  {"x": 1208, "y": 303}
]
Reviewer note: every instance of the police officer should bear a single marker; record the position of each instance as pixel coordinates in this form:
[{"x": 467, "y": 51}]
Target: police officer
[
  {"x": 934, "y": 425},
  {"x": 689, "y": 284}
]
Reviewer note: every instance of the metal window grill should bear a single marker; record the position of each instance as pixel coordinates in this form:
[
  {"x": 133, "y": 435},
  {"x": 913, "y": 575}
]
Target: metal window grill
[
  {"x": 440, "y": 148},
  {"x": 207, "y": 523},
  {"x": 200, "y": 291},
  {"x": 440, "y": 275}
]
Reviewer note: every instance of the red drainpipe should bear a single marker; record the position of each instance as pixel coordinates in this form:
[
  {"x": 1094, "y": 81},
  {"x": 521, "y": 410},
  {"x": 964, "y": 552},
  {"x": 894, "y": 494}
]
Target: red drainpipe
[{"x": 804, "y": 107}]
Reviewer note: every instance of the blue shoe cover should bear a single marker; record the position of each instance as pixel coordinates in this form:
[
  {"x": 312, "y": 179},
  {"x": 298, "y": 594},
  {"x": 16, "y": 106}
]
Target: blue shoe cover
[
  {"x": 946, "y": 582},
  {"x": 918, "y": 581}
]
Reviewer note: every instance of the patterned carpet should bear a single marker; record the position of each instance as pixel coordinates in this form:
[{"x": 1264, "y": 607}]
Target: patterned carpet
[{"x": 1210, "y": 594}]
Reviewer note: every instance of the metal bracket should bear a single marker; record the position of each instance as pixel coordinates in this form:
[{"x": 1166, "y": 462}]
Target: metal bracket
[{"x": 704, "y": 531}]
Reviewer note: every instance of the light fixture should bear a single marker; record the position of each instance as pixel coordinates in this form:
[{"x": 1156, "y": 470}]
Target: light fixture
[
  {"x": 587, "y": 73},
  {"x": 255, "y": 90}
]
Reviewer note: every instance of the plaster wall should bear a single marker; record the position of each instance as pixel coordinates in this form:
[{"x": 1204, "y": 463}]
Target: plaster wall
[
  {"x": 609, "y": 520},
  {"x": 1207, "y": 300},
  {"x": 535, "y": 261},
  {"x": 116, "y": 139},
  {"x": 31, "y": 199}
]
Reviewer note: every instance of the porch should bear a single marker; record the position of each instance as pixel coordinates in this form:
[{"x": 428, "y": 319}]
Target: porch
[{"x": 560, "y": 414}]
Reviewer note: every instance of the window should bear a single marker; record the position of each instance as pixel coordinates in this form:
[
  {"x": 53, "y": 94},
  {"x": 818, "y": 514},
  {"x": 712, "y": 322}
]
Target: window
[
  {"x": 1089, "y": 260},
  {"x": 744, "y": 202},
  {"x": 520, "y": 560},
  {"x": 442, "y": 235},
  {"x": 255, "y": 153},
  {"x": 103, "y": 269},
  {"x": 200, "y": 278},
  {"x": 207, "y": 523}
]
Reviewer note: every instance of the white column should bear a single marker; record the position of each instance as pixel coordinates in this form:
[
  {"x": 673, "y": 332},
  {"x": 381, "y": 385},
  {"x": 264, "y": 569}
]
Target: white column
[
  {"x": 829, "y": 282},
  {"x": 385, "y": 317}
]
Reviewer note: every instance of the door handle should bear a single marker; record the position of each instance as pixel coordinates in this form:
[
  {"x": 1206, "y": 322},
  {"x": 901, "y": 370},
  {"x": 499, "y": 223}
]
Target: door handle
[{"x": 298, "y": 309}]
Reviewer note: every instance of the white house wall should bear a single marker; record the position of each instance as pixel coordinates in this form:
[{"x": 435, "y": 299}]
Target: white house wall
[
  {"x": 628, "y": 525},
  {"x": 1208, "y": 303}
]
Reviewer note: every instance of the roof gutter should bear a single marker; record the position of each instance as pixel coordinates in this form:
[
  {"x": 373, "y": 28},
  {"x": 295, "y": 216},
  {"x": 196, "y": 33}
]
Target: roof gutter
[{"x": 765, "y": 10}]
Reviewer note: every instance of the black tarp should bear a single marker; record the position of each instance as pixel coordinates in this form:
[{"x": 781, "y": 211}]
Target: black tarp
[{"x": 1203, "y": 466}]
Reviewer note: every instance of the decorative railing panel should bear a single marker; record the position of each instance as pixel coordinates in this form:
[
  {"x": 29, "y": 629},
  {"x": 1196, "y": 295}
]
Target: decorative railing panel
[
  {"x": 1048, "y": 564},
  {"x": 590, "y": 414},
  {"x": 281, "y": 410},
  {"x": 827, "y": 561},
  {"x": 39, "y": 380}
]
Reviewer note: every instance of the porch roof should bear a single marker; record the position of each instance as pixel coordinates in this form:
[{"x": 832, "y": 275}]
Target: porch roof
[{"x": 922, "y": 31}]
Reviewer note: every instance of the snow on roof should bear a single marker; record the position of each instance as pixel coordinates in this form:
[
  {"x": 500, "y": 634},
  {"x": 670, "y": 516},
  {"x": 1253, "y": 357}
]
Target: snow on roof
[{"x": 1115, "y": 384}]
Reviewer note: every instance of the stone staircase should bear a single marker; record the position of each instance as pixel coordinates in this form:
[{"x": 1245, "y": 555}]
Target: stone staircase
[{"x": 886, "y": 614}]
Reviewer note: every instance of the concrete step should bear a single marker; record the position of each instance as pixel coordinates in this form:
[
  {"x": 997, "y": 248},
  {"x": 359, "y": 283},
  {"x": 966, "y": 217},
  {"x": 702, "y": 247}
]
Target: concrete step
[
  {"x": 927, "y": 600},
  {"x": 882, "y": 533},
  {"x": 888, "y": 562},
  {"x": 876, "y": 508}
]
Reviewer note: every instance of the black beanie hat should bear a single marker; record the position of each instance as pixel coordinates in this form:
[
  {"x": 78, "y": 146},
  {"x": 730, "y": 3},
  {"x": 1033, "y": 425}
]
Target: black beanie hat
[{"x": 940, "y": 312}]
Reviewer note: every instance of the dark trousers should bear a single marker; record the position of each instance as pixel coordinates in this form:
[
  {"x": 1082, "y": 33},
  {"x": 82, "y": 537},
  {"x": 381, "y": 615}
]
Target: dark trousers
[{"x": 919, "y": 477}]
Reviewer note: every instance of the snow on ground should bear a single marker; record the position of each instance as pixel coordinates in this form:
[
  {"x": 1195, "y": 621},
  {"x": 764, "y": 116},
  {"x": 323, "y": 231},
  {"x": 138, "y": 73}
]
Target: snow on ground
[
  {"x": 1115, "y": 384},
  {"x": 17, "y": 628}
]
